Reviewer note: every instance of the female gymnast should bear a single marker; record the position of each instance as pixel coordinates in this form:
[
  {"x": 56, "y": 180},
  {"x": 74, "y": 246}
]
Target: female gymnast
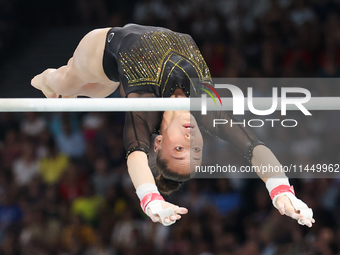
[{"x": 157, "y": 62}]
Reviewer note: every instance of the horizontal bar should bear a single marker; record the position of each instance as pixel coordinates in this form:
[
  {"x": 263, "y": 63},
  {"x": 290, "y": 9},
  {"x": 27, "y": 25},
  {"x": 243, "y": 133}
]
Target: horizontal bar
[
  {"x": 92, "y": 104},
  {"x": 147, "y": 104}
]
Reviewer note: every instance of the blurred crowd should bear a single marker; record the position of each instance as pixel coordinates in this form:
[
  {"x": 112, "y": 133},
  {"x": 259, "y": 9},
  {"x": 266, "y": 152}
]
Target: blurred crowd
[
  {"x": 64, "y": 187},
  {"x": 265, "y": 38},
  {"x": 65, "y": 190}
]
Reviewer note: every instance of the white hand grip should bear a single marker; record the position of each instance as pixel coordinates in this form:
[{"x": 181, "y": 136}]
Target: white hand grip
[
  {"x": 299, "y": 205},
  {"x": 165, "y": 213}
]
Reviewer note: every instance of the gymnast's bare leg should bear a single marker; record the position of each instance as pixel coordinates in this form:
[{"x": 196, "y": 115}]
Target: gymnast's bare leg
[{"x": 83, "y": 74}]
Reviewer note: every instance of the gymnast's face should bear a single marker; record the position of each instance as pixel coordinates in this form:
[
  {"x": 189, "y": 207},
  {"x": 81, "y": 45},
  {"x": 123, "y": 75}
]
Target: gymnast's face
[{"x": 181, "y": 143}]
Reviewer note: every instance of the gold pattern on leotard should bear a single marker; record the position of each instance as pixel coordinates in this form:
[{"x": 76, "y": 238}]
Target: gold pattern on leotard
[{"x": 143, "y": 64}]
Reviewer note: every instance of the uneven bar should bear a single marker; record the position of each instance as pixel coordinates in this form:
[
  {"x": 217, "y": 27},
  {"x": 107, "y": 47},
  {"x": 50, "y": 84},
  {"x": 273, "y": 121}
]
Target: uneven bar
[{"x": 147, "y": 104}]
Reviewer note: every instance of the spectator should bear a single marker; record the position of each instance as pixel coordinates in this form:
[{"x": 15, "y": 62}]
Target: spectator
[
  {"x": 225, "y": 199},
  {"x": 77, "y": 235},
  {"x": 25, "y": 167},
  {"x": 123, "y": 234},
  {"x": 40, "y": 229},
  {"x": 68, "y": 138},
  {"x": 99, "y": 248},
  {"x": 33, "y": 124},
  {"x": 92, "y": 123},
  {"x": 71, "y": 186},
  {"x": 88, "y": 205},
  {"x": 103, "y": 178},
  {"x": 9, "y": 247},
  {"x": 53, "y": 206},
  {"x": 53, "y": 165},
  {"x": 10, "y": 213},
  {"x": 7, "y": 122},
  {"x": 11, "y": 149}
]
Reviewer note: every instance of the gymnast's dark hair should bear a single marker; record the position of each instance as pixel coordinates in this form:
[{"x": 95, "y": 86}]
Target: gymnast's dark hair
[{"x": 167, "y": 181}]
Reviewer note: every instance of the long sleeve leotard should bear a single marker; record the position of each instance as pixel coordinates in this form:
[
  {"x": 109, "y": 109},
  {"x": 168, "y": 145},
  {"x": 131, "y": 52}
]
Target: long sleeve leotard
[{"x": 154, "y": 62}]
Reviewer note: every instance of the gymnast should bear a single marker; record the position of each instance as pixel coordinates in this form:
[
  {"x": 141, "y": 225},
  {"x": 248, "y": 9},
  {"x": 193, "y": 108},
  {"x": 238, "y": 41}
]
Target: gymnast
[{"x": 145, "y": 61}]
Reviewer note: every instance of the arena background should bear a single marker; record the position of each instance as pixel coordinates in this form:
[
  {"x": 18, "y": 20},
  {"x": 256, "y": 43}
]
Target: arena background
[{"x": 81, "y": 201}]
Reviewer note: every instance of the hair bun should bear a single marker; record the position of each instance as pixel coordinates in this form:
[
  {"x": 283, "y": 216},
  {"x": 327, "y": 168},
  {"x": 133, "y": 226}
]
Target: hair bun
[{"x": 166, "y": 186}]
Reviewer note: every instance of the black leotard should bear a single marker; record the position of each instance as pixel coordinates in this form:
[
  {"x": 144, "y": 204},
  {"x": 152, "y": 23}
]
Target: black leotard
[
  {"x": 154, "y": 62},
  {"x": 152, "y": 59}
]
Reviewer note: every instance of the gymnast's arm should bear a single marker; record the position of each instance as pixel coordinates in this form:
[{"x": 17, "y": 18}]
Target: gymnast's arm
[
  {"x": 241, "y": 138},
  {"x": 83, "y": 74},
  {"x": 138, "y": 128},
  {"x": 247, "y": 144},
  {"x": 138, "y": 168}
]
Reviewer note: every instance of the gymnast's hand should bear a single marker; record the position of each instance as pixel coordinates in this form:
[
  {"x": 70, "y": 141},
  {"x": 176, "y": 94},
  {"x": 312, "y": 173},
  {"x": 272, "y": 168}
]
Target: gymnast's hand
[
  {"x": 299, "y": 211},
  {"x": 40, "y": 82},
  {"x": 169, "y": 214}
]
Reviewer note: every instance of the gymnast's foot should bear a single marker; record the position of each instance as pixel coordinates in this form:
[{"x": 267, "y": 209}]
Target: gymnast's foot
[{"x": 40, "y": 82}]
